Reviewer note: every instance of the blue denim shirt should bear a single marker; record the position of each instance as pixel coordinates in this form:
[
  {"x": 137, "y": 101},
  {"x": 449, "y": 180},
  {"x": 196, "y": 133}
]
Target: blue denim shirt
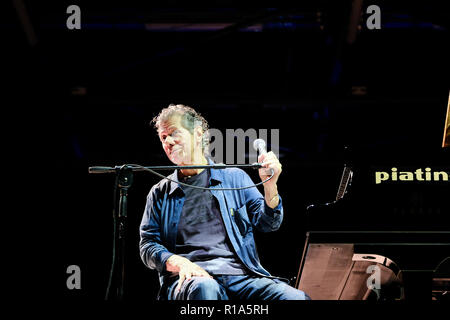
[{"x": 242, "y": 212}]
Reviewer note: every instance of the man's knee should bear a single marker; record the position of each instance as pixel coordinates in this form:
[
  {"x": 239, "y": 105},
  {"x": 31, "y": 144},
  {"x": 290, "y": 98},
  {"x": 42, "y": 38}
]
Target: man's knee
[
  {"x": 202, "y": 288},
  {"x": 283, "y": 291},
  {"x": 290, "y": 293}
]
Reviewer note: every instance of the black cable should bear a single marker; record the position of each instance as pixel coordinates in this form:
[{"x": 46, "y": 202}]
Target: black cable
[
  {"x": 196, "y": 187},
  {"x": 113, "y": 262}
]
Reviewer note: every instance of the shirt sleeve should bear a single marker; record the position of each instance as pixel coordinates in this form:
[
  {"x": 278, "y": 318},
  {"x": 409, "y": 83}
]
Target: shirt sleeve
[
  {"x": 153, "y": 253},
  {"x": 263, "y": 217}
]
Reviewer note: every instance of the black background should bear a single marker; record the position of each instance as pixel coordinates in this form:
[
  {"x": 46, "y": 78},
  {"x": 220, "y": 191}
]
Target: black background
[{"x": 85, "y": 97}]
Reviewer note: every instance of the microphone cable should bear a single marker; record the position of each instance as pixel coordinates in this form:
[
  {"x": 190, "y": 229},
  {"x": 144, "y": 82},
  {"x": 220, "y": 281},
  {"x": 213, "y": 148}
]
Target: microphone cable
[{"x": 197, "y": 187}]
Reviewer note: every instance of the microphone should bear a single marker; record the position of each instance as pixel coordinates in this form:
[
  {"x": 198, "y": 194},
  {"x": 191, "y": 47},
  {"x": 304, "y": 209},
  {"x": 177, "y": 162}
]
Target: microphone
[{"x": 260, "y": 146}]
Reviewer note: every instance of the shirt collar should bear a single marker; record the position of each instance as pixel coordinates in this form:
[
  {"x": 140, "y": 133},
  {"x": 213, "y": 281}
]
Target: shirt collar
[{"x": 215, "y": 178}]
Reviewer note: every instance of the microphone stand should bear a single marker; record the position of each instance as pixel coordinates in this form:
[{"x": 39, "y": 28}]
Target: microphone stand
[{"x": 124, "y": 180}]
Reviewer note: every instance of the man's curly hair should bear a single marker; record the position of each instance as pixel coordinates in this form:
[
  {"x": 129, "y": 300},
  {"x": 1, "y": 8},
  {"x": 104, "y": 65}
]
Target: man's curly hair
[{"x": 190, "y": 119}]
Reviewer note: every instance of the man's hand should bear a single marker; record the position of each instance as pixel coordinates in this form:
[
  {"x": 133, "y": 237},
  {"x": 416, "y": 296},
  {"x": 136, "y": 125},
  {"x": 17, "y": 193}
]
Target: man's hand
[
  {"x": 270, "y": 161},
  {"x": 185, "y": 269}
]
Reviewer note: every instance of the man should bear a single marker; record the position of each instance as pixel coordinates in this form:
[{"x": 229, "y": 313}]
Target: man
[{"x": 201, "y": 241}]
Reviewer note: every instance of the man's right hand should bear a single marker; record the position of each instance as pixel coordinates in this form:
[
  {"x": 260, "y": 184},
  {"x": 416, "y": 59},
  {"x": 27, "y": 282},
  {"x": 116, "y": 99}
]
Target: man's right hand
[{"x": 185, "y": 269}]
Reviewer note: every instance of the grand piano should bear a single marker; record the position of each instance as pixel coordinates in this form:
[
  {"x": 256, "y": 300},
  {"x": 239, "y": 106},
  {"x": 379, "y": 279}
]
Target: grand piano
[{"x": 402, "y": 226}]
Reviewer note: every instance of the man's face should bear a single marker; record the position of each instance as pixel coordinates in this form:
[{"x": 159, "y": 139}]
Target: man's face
[{"x": 177, "y": 141}]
